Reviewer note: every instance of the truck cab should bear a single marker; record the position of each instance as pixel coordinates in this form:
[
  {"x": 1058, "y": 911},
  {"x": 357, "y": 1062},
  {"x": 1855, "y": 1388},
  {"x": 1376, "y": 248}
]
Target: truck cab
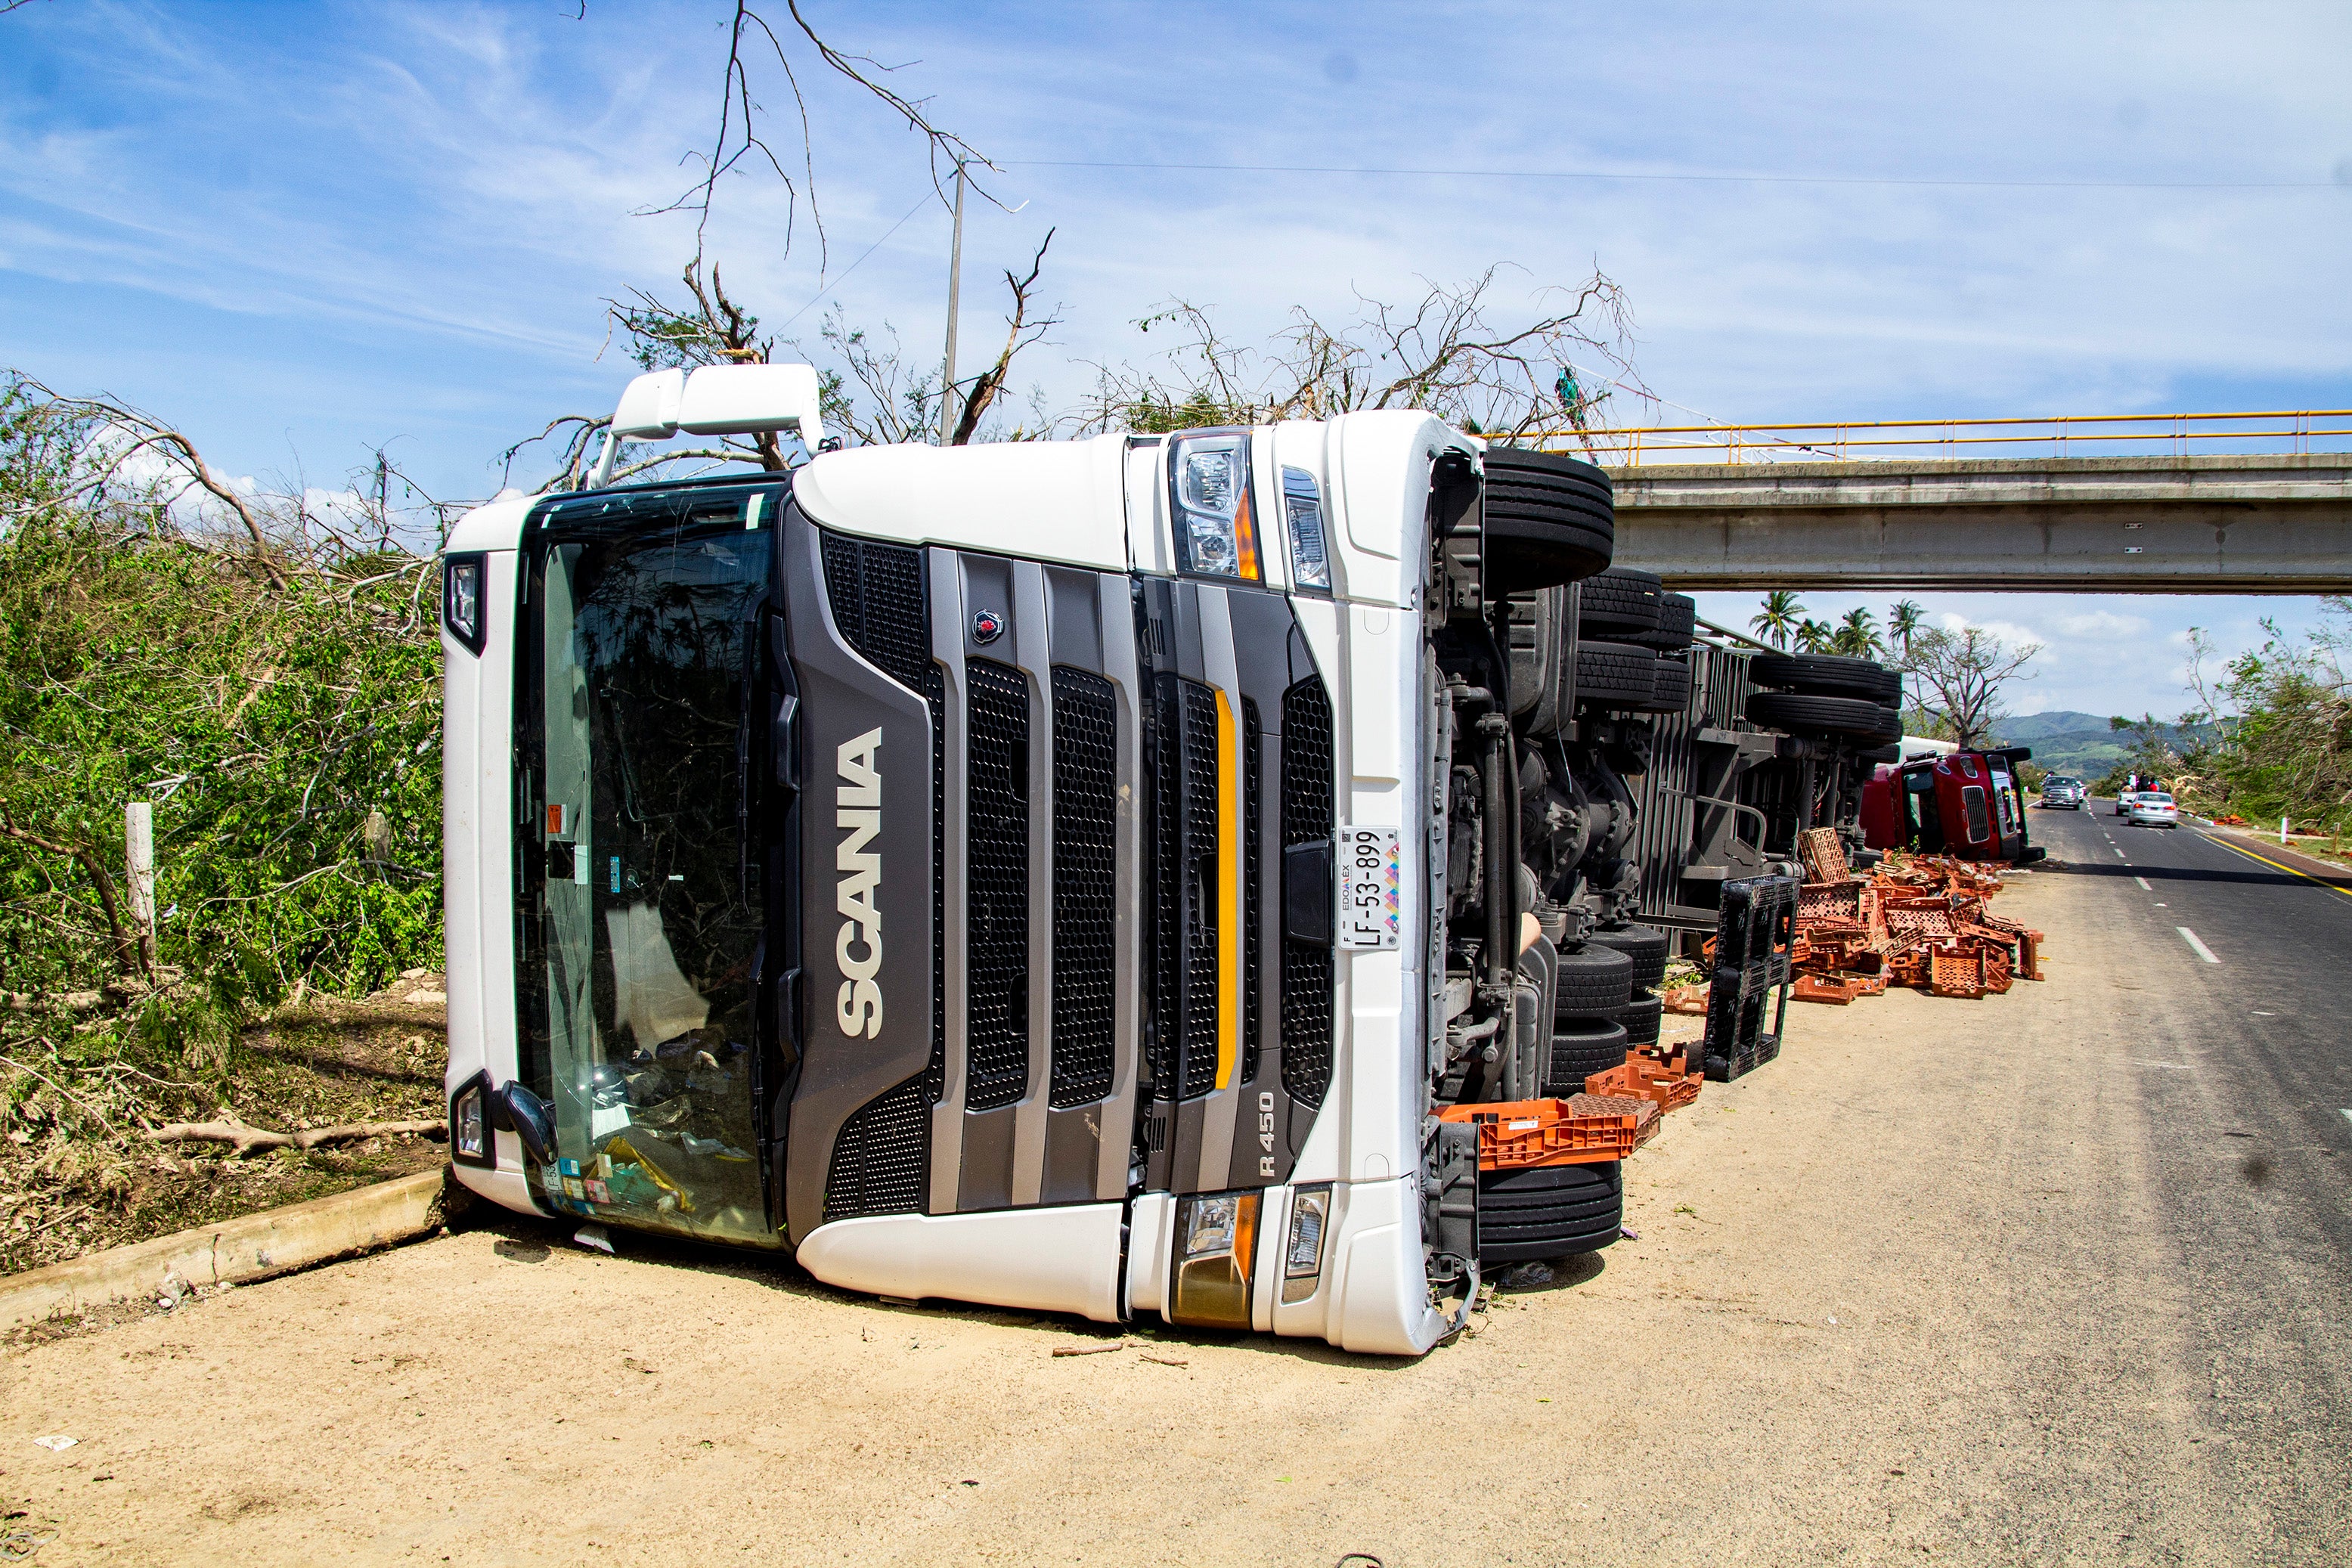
[
  {"x": 1070, "y": 877},
  {"x": 1966, "y": 804}
]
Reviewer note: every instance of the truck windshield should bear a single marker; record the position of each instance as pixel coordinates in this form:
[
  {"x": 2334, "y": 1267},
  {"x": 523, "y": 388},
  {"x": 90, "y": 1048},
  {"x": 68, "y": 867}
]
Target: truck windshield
[{"x": 643, "y": 916}]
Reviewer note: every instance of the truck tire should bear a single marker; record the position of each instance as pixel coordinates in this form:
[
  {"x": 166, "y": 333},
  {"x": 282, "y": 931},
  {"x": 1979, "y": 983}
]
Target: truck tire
[
  {"x": 1543, "y": 1212},
  {"x": 1614, "y": 674},
  {"x": 1591, "y": 982},
  {"x": 1670, "y": 685},
  {"x": 1801, "y": 714},
  {"x": 1677, "y": 618},
  {"x": 1549, "y": 519},
  {"x": 1581, "y": 1047},
  {"x": 1827, "y": 675},
  {"x": 1642, "y": 1017},
  {"x": 1618, "y": 600},
  {"x": 1644, "y": 946},
  {"x": 1891, "y": 752}
]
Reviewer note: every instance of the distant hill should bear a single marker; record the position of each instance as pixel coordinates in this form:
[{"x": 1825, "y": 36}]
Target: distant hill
[{"x": 2080, "y": 743}]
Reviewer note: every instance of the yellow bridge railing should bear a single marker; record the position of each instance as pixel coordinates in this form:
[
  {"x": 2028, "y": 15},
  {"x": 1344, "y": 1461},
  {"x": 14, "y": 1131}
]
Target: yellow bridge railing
[{"x": 2268, "y": 431}]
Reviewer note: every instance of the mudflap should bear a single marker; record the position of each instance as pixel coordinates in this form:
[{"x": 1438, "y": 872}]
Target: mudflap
[{"x": 1450, "y": 1217}]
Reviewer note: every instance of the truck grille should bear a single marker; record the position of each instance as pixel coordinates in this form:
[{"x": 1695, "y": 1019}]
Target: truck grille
[
  {"x": 1197, "y": 860},
  {"x": 935, "y": 694},
  {"x": 1251, "y": 831},
  {"x": 1307, "y": 818},
  {"x": 881, "y": 1155},
  {"x": 1086, "y": 882},
  {"x": 1183, "y": 880},
  {"x": 996, "y": 906},
  {"x": 875, "y": 592}
]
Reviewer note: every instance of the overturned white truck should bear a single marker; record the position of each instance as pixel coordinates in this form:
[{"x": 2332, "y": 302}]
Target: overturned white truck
[{"x": 1070, "y": 875}]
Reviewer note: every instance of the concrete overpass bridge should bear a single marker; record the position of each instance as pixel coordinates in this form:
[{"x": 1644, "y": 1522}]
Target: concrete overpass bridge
[{"x": 2160, "y": 504}]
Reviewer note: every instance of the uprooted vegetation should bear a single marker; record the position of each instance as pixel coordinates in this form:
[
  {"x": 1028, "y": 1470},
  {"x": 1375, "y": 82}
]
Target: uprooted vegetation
[{"x": 266, "y": 679}]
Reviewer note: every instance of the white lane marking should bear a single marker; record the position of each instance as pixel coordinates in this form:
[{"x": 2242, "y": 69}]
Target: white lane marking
[
  {"x": 2349, "y": 1115},
  {"x": 2164, "y": 906},
  {"x": 2202, "y": 951},
  {"x": 2143, "y": 884},
  {"x": 2119, "y": 854}
]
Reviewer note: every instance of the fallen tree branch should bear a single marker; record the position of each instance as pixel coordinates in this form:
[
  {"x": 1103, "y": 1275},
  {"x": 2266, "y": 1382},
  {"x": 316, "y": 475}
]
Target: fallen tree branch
[
  {"x": 129, "y": 956},
  {"x": 229, "y": 1129},
  {"x": 50, "y": 1001}
]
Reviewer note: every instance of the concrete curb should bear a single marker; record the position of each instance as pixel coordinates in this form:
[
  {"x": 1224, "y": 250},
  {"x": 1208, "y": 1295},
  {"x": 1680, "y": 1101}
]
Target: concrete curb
[{"x": 254, "y": 1247}]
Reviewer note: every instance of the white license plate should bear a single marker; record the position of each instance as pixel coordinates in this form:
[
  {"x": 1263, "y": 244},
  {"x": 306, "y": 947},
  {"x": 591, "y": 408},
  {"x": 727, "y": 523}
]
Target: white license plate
[{"x": 1371, "y": 887}]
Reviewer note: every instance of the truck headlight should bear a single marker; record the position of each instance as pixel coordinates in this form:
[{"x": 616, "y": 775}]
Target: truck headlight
[
  {"x": 1302, "y": 1255},
  {"x": 1209, "y": 504},
  {"x": 461, "y": 600},
  {"x": 1302, "y": 506},
  {"x": 469, "y": 1124},
  {"x": 1216, "y": 1235}
]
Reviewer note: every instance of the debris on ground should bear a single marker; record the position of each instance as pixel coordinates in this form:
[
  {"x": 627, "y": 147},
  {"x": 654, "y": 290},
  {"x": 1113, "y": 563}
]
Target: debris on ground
[
  {"x": 1918, "y": 921},
  {"x": 124, "y": 1120}
]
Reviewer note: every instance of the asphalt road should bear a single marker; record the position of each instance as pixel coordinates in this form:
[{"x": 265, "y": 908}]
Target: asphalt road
[{"x": 2229, "y": 999}]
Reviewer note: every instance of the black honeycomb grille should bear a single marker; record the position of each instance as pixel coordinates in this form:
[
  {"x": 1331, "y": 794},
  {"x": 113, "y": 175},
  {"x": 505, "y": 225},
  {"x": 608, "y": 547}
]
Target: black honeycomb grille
[
  {"x": 1307, "y": 818},
  {"x": 1167, "y": 883},
  {"x": 1200, "y": 768},
  {"x": 1086, "y": 873},
  {"x": 1251, "y": 833},
  {"x": 935, "y": 693},
  {"x": 996, "y": 905},
  {"x": 879, "y": 1158},
  {"x": 876, "y": 595}
]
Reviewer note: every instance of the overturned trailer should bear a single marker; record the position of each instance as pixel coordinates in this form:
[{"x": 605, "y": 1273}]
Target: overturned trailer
[{"x": 1771, "y": 745}]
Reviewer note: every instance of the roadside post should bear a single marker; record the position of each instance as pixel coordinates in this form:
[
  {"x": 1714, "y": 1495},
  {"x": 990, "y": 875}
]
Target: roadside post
[{"x": 138, "y": 858}]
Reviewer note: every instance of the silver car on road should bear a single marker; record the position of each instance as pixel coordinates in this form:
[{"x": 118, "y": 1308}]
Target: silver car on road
[{"x": 2148, "y": 809}]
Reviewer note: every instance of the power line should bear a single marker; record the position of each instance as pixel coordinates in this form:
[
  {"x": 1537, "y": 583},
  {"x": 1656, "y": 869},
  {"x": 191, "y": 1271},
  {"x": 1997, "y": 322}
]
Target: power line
[
  {"x": 1717, "y": 179},
  {"x": 919, "y": 202}
]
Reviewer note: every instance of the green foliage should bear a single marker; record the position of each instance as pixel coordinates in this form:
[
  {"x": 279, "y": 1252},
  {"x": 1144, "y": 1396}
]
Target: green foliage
[
  {"x": 1163, "y": 415},
  {"x": 139, "y": 661},
  {"x": 2289, "y": 752}
]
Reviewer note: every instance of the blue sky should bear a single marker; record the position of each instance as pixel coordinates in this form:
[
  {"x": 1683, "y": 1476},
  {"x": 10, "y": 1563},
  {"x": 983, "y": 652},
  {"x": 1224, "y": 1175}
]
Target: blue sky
[{"x": 302, "y": 230}]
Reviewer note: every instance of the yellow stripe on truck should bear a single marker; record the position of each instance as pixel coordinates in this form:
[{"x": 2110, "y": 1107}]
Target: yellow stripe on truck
[{"x": 1229, "y": 892}]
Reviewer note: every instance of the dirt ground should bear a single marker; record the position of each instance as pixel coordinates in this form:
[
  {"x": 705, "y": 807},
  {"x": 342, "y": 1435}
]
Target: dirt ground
[{"x": 1897, "y": 1297}]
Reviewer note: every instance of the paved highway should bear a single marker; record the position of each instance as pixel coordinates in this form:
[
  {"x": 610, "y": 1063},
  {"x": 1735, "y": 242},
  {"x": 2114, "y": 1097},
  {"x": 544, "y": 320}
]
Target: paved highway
[{"x": 2228, "y": 999}]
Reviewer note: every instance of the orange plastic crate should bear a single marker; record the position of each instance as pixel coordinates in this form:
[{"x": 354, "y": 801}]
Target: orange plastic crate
[
  {"x": 1522, "y": 1133},
  {"x": 1668, "y": 1084}
]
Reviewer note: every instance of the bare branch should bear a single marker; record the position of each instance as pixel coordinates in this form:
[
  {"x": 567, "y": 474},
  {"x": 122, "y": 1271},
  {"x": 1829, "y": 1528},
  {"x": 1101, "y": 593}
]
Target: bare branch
[
  {"x": 738, "y": 137},
  {"x": 1442, "y": 353},
  {"x": 990, "y": 381},
  {"x": 232, "y": 1129}
]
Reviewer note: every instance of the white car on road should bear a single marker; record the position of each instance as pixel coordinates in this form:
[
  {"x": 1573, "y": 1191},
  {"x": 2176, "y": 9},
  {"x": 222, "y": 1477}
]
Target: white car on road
[{"x": 2149, "y": 809}]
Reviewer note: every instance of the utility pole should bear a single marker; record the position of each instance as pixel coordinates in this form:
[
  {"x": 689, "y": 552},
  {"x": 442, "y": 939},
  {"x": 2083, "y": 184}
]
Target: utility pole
[{"x": 955, "y": 286}]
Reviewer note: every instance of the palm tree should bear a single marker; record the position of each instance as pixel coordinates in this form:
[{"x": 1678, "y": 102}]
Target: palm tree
[
  {"x": 1812, "y": 636},
  {"x": 1903, "y": 624},
  {"x": 1857, "y": 635},
  {"x": 1779, "y": 617}
]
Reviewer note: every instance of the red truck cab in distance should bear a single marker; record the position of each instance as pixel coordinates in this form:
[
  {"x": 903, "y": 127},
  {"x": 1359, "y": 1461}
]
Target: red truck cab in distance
[{"x": 1966, "y": 804}]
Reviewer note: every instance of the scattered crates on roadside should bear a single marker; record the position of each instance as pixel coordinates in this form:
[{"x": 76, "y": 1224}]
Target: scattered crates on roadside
[{"x": 1915, "y": 921}]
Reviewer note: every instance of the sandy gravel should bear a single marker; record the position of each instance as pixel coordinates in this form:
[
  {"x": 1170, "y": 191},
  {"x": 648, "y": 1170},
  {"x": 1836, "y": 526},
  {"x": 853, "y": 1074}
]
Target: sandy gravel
[{"x": 1896, "y": 1297}]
